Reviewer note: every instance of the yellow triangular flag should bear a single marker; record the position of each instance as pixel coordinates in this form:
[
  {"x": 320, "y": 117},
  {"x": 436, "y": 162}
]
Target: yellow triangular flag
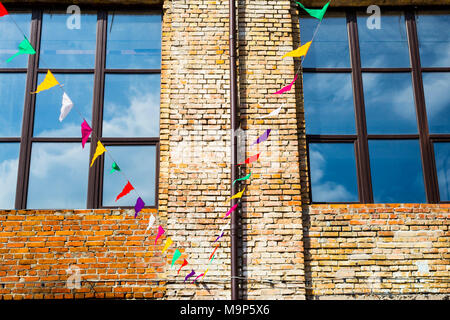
[
  {"x": 49, "y": 82},
  {"x": 167, "y": 245},
  {"x": 299, "y": 52},
  {"x": 98, "y": 152},
  {"x": 238, "y": 195}
]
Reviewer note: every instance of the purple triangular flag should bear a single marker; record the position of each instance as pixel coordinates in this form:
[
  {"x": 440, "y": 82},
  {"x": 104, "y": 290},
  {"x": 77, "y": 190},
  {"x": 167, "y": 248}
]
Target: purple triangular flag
[
  {"x": 189, "y": 275},
  {"x": 138, "y": 207},
  {"x": 219, "y": 237},
  {"x": 263, "y": 137}
]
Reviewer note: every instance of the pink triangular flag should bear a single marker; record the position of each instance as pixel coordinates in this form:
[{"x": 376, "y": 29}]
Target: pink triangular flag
[
  {"x": 231, "y": 210},
  {"x": 85, "y": 132},
  {"x": 160, "y": 233},
  {"x": 288, "y": 87}
]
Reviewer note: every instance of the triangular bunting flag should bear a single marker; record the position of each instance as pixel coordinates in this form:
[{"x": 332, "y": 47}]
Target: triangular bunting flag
[
  {"x": 212, "y": 254},
  {"x": 114, "y": 167},
  {"x": 185, "y": 263},
  {"x": 263, "y": 137},
  {"x": 299, "y": 52},
  {"x": 199, "y": 277},
  {"x": 238, "y": 195},
  {"x": 98, "y": 152},
  {"x": 167, "y": 245},
  {"x": 126, "y": 190},
  {"x": 25, "y": 47},
  {"x": 176, "y": 256},
  {"x": 250, "y": 159},
  {"x": 140, "y": 204},
  {"x": 316, "y": 13},
  {"x": 244, "y": 178},
  {"x": 85, "y": 133},
  {"x": 273, "y": 113},
  {"x": 3, "y": 11},
  {"x": 49, "y": 82},
  {"x": 189, "y": 275},
  {"x": 231, "y": 210},
  {"x": 160, "y": 233},
  {"x": 151, "y": 221},
  {"x": 288, "y": 87},
  {"x": 67, "y": 105}
]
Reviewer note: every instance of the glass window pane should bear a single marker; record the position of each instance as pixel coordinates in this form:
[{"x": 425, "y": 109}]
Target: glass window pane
[
  {"x": 9, "y": 162},
  {"x": 396, "y": 169},
  {"x": 58, "y": 176},
  {"x": 12, "y": 90},
  {"x": 333, "y": 172},
  {"x": 131, "y": 107},
  {"x": 386, "y": 47},
  {"x": 442, "y": 151},
  {"x": 389, "y": 101},
  {"x": 62, "y": 47},
  {"x": 134, "y": 41},
  {"x": 434, "y": 39},
  {"x": 437, "y": 98},
  {"x": 139, "y": 165},
  {"x": 79, "y": 88},
  {"x": 328, "y": 103},
  {"x": 10, "y": 39},
  {"x": 330, "y": 46}
]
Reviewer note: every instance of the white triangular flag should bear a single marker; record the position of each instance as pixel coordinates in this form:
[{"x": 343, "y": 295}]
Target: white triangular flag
[
  {"x": 273, "y": 113},
  {"x": 151, "y": 221},
  {"x": 67, "y": 105}
]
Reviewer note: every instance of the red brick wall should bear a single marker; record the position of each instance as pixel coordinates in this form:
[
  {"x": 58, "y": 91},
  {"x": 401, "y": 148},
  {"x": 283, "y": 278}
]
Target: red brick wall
[
  {"x": 113, "y": 251},
  {"x": 378, "y": 251}
]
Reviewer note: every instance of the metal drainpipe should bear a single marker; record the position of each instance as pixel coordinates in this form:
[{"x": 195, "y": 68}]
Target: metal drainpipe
[{"x": 234, "y": 168}]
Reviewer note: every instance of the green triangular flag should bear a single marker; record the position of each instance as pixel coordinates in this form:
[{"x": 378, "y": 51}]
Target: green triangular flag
[
  {"x": 316, "y": 13},
  {"x": 176, "y": 255},
  {"x": 115, "y": 167},
  {"x": 244, "y": 178},
  {"x": 25, "y": 47}
]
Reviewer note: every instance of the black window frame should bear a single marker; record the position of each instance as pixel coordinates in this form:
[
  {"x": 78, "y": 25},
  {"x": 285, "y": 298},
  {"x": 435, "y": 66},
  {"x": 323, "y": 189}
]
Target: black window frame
[
  {"x": 360, "y": 140},
  {"x": 94, "y": 195}
]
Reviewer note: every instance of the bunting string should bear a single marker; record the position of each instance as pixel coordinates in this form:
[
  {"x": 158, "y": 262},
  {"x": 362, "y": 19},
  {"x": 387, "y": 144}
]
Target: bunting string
[{"x": 67, "y": 105}]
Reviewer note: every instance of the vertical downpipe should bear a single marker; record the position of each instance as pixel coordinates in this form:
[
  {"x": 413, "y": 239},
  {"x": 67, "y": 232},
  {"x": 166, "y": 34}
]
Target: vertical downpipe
[{"x": 234, "y": 168}]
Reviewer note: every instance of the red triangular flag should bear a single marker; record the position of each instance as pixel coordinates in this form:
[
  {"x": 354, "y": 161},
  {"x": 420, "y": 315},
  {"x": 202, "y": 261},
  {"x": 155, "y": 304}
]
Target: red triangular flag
[
  {"x": 128, "y": 187},
  {"x": 3, "y": 11},
  {"x": 184, "y": 264},
  {"x": 251, "y": 159},
  {"x": 213, "y": 252}
]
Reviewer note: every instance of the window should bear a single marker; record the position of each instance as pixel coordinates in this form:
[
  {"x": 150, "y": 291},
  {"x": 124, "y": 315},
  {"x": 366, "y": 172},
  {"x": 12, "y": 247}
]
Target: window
[
  {"x": 111, "y": 69},
  {"x": 377, "y": 107}
]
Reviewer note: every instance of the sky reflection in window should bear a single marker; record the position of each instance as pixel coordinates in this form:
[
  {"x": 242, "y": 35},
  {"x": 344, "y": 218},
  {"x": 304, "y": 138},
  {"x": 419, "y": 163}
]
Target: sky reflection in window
[
  {"x": 396, "y": 168},
  {"x": 386, "y": 47},
  {"x": 9, "y": 161},
  {"x": 434, "y": 39},
  {"x": 442, "y": 152},
  {"x": 437, "y": 98},
  {"x": 12, "y": 91},
  {"x": 389, "y": 101},
  {"x": 131, "y": 107},
  {"x": 58, "y": 176},
  {"x": 328, "y": 111},
  {"x": 134, "y": 41},
  {"x": 65, "y": 48},
  {"x": 333, "y": 172}
]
